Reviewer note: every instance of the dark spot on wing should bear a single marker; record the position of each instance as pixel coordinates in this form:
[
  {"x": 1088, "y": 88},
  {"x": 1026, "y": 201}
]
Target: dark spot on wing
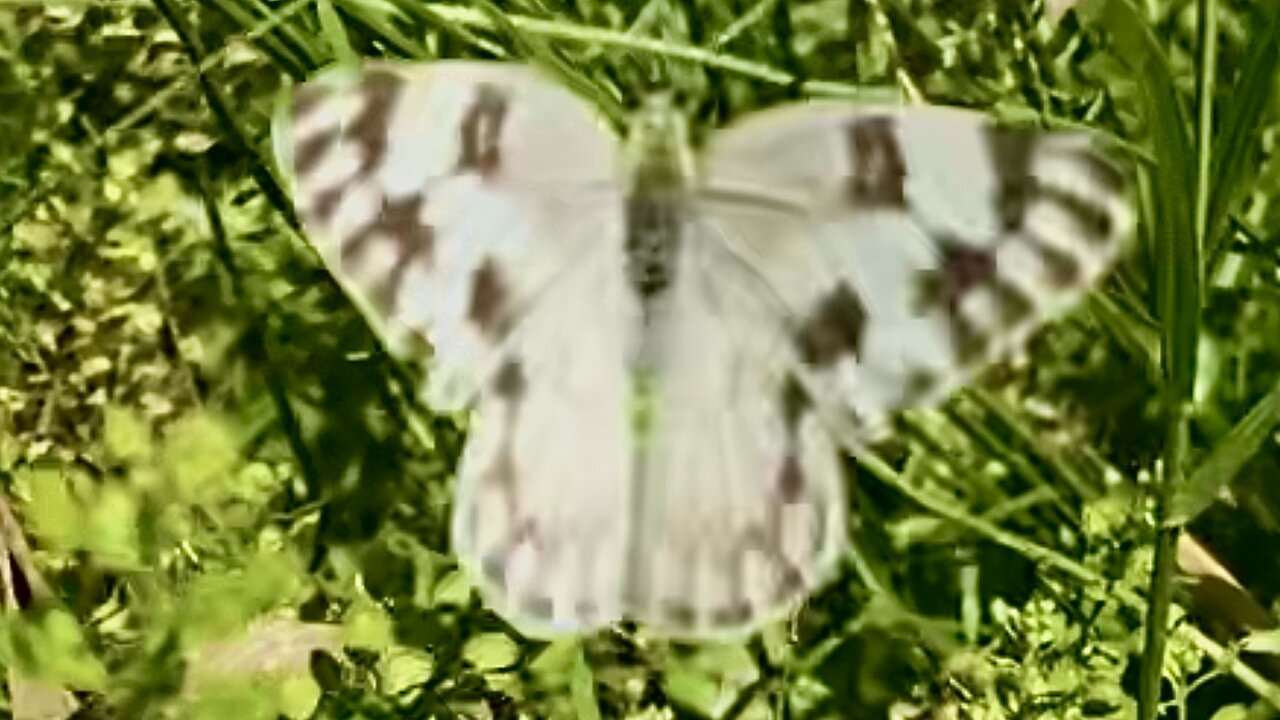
[
  {"x": 795, "y": 403},
  {"x": 309, "y": 152},
  {"x": 919, "y": 385},
  {"x": 1014, "y": 305},
  {"x": 834, "y": 328},
  {"x": 1010, "y": 151},
  {"x": 494, "y": 567},
  {"x": 481, "y": 131},
  {"x": 970, "y": 343},
  {"x": 488, "y": 299},
  {"x": 401, "y": 220},
  {"x": 537, "y": 607},
  {"x": 679, "y": 613},
  {"x": 879, "y": 172},
  {"x": 1101, "y": 170},
  {"x": 790, "y": 583},
  {"x": 398, "y": 224},
  {"x": 732, "y": 615},
  {"x": 326, "y": 204},
  {"x": 1063, "y": 268},
  {"x": 1093, "y": 222},
  {"x": 964, "y": 267},
  {"x": 510, "y": 382},
  {"x": 791, "y": 480},
  {"x": 379, "y": 90},
  {"x": 306, "y": 97}
]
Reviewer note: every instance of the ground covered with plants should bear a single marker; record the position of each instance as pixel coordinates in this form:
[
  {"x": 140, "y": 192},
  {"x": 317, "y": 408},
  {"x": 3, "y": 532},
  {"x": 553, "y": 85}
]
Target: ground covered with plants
[{"x": 221, "y": 498}]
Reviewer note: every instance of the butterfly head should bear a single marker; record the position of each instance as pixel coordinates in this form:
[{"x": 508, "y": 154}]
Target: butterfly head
[{"x": 658, "y": 143}]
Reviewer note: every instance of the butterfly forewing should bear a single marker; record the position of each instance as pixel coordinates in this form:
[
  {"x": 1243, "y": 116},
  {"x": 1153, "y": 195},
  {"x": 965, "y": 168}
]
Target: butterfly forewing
[
  {"x": 426, "y": 186},
  {"x": 912, "y": 246}
]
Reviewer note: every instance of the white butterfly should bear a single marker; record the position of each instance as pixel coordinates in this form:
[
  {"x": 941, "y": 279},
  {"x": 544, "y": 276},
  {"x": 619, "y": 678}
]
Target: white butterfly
[{"x": 650, "y": 331}]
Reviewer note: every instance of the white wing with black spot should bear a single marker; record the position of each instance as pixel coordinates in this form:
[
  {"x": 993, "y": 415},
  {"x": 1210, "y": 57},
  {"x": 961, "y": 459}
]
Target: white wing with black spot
[
  {"x": 739, "y": 505},
  {"x": 909, "y": 247},
  {"x": 477, "y": 204}
]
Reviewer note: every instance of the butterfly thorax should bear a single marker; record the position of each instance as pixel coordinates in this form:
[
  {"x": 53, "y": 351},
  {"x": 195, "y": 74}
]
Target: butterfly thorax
[{"x": 657, "y": 199}]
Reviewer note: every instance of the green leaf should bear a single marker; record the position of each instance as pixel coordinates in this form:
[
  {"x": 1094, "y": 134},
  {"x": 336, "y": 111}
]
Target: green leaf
[
  {"x": 582, "y": 686},
  {"x": 298, "y": 695},
  {"x": 491, "y": 651},
  {"x": 404, "y": 668},
  {"x": 1229, "y": 455},
  {"x": 1242, "y": 115},
  {"x": 368, "y": 626}
]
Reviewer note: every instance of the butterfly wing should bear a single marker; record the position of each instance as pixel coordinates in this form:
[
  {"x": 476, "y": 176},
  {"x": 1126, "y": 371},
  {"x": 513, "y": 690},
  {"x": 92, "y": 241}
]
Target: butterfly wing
[
  {"x": 739, "y": 506},
  {"x": 476, "y": 204},
  {"x": 862, "y": 260},
  {"x": 909, "y": 247}
]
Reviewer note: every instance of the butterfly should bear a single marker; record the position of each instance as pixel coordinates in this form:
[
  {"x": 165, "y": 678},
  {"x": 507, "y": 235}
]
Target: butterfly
[{"x": 654, "y": 339}]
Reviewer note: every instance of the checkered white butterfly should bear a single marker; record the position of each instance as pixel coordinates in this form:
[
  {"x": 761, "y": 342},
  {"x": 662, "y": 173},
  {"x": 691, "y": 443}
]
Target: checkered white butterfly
[{"x": 649, "y": 332}]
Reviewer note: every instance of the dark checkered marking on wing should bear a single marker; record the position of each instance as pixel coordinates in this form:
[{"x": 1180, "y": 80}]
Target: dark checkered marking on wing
[
  {"x": 790, "y": 580},
  {"x": 970, "y": 343},
  {"x": 509, "y": 385},
  {"x": 795, "y": 404},
  {"x": 1011, "y": 152},
  {"x": 1063, "y": 267},
  {"x": 380, "y": 90},
  {"x": 399, "y": 221},
  {"x": 1093, "y": 222},
  {"x": 377, "y": 92},
  {"x": 481, "y": 129},
  {"x": 1017, "y": 187},
  {"x": 834, "y": 328},
  {"x": 489, "y": 300},
  {"x": 879, "y": 171},
  {"x": 963, "y": 268}
]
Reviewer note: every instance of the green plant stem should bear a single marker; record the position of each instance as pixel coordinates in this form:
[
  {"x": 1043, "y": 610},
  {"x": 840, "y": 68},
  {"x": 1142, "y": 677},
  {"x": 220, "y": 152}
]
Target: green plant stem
[
  {"x": 1182, "y": 327},
  {"x": 1160, "y": 591}
]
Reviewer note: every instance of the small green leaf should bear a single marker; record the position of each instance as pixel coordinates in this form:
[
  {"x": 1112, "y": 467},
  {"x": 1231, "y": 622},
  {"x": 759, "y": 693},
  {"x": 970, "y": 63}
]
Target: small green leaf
[
  {"x": 368, "y": 626},
  {"x": 582, "y": 687},
  {"x": 404, "y": 668},
  {"x": 1229, "y": 455},
  {"x": 298, "y": 696},
  {"x": 491, "y": 651}
]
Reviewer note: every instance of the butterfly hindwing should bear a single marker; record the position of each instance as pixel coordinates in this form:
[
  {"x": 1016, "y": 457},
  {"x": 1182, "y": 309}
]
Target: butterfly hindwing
[
  {"x": 910, "y": 247},
  {"x": 739, "y": 506}
]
